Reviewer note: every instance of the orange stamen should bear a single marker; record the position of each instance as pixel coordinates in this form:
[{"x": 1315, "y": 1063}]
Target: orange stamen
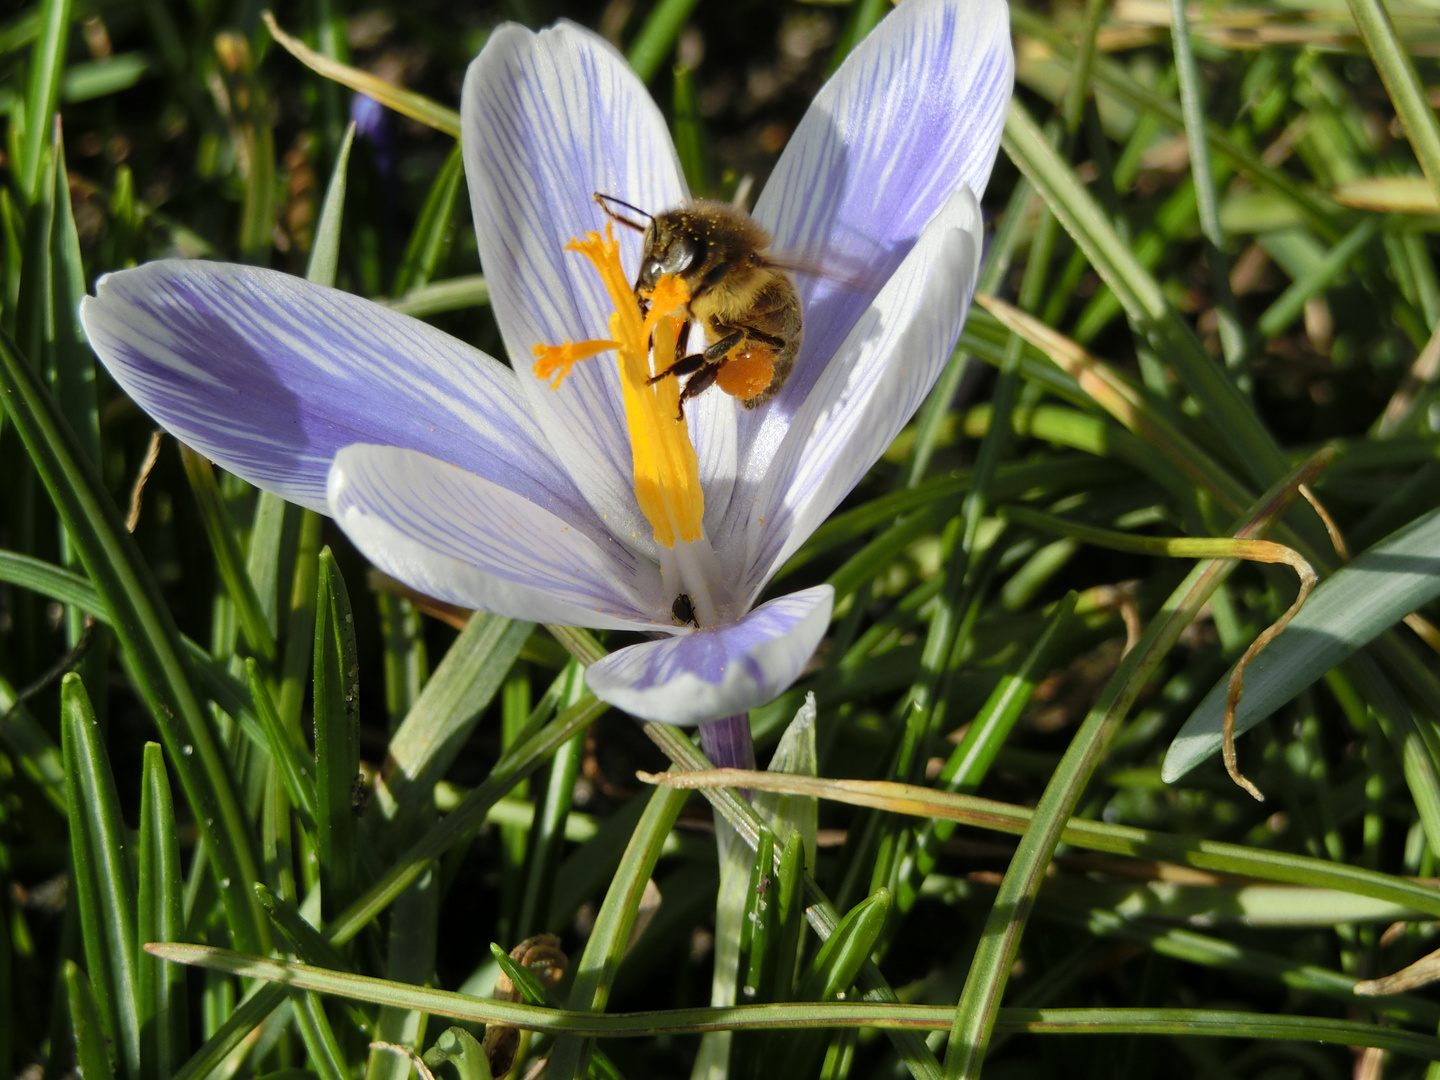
[
  {"x": 553, "y": 362},
  {"x": 666, "y": 471}
]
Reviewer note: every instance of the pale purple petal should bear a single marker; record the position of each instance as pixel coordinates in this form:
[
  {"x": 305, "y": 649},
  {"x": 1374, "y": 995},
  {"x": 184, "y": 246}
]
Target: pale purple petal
[
  {"x": 270, "y": 376},
  {"x": 719, "y": 672},
  {"x": 915, "y": 112},
  {"x": 878, "y": 379},
  {"x": 547, "y": 120},
  {"x": 459, "y": 538},
  {"x": 711, "y": 422}
]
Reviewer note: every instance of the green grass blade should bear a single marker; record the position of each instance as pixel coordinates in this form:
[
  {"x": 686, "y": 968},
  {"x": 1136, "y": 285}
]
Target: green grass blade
[
  {"x": 1212, "y": 1023},
  {"x": 657, "y": 36},
  {"x": 1349, "y": 609},
  {"x": 756, "y": 946},
  {"x": 411, "y": 959},
  {"x": 326, "y": 1056},
  {"x": 100, "y": 78},
  {"x": 307, "y": 943},
  {"x": 297, "y": 767},
  {"x": 517, "y": 763},
  {"x": 1000, "y": 940},
  {"x": 547, "y": 835},
  {"x": 456, "y": 294},
  {"x": 325, "y": 255},
  {"x": 690, "y": 133},
  {"x": 272, "y": 534},
  {"x": 86, "y": 1025},
  {"x": 42, "y": 95},
  {"x": 434, "y": 229},
  {"x": 406, "y": 658},
  {"x": 32, "y": 747},
  {"x": 1407, "y": 93},
  {"x": 595, "y": 973},
  {"x": 1232, "y": 338},
  {"x": 1113, "y": 78},
  {"x": 464, "y": 683},
  {"x": 787, "y": 920},
  {"x": 917, "y": 1057},
  {"x": 69, "y": 363},
  {"x": 299, "y": 634},
  {"x": 1289, "y": 304},
  {"x": 832, "y": 972},
  {"x": 165, "y": 1016},
  {"x": 1142, "y": 296},
  {"x": 337, "y": 735},
  {"x": 970, "y": 761},
  {"x": 104, "y": 872},
  {"x": 864, "y": 16},
  {"x": 229, "y": 562},
  {"x": 143, "y": 624}
]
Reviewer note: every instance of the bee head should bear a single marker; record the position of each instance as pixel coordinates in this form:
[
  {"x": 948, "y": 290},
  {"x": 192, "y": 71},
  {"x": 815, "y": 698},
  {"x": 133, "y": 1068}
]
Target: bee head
[{"x": 670, "y": 248}]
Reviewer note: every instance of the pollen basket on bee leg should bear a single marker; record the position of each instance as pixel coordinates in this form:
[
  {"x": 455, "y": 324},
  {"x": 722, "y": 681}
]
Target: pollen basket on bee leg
[
  {"x": 747, "y": 373},
  {"x": 665, "y": 467}
]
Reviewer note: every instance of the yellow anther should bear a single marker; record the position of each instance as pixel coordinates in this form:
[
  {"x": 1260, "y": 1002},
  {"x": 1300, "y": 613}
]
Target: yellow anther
[
  {"x": 553, "y": 362},
  {"x": 666, "y": 471}
]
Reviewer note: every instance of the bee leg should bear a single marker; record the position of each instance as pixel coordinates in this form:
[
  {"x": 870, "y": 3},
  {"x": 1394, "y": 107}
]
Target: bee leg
[
  {"x": 765, "y": 339},
  {"x": 684, "y": 366},
  {"x": 721, "y": 348},
  {"x": 696, "y": 385}
]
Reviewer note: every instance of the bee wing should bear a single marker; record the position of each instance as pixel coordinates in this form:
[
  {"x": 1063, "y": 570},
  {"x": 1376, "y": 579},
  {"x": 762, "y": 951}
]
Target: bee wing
[{"x": 848, "y": 272}]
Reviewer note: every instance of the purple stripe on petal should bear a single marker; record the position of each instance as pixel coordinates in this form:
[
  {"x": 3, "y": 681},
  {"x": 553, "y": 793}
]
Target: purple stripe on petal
[
  {"x": 458, "y": 537},
  {"x": 914, "y": 113},
  {"x": 547, "y": 120},
  {"x": 270, "y": 376},
  {"x": 719, "y": 672}
]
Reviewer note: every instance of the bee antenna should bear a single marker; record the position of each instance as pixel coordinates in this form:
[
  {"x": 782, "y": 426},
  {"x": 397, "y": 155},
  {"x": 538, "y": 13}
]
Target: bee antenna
[{"x": 605, "y": 202}]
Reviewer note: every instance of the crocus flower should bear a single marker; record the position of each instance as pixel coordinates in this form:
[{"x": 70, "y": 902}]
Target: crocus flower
[{"x": 586, "y": 503}]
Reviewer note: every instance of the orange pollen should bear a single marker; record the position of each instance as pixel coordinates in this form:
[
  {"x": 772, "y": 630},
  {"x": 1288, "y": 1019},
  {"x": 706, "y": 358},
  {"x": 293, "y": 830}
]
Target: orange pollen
[{"x": 667, "y": 476}]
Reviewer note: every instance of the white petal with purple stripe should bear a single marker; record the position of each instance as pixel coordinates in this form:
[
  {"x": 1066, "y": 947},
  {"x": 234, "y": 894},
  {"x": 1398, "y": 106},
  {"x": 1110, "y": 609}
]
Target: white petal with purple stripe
[
  {"x": 915, "y": 112},
  {"x": 717, "y": 672},
  {"x": 878, "y": 379},
  {"x": 270, "y": 376},
  {"x": 547, "y": 120},
  {"x": 455, "y": 536}
]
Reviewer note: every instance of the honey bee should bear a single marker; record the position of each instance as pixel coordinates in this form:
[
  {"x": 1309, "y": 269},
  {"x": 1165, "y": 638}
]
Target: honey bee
[{"x": 742, "y": 296}]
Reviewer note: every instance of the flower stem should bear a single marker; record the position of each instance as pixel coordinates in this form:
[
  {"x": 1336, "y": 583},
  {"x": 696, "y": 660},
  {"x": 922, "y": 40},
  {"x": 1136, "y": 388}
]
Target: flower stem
[{"x": 727, "y": 742}]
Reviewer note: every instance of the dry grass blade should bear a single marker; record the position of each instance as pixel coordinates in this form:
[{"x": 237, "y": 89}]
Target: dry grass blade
[
  {"x": 1113, "y": 393},
  {"x": 1422, "y": 972},
  {"x": 406, "y": 102},
  {"x": 1337, "y": 539},
  {"x": 1389, "y": 195},
  {"x": 1265, "y": 551},
  {"x": 1421, "y": 374}
]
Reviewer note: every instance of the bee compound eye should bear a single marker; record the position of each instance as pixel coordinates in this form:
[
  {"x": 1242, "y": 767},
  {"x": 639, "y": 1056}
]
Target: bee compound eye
[{"x": 683, "y": 252}]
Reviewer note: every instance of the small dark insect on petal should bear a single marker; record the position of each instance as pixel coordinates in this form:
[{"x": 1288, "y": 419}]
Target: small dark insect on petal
[{"x": 683, "y": 610}]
